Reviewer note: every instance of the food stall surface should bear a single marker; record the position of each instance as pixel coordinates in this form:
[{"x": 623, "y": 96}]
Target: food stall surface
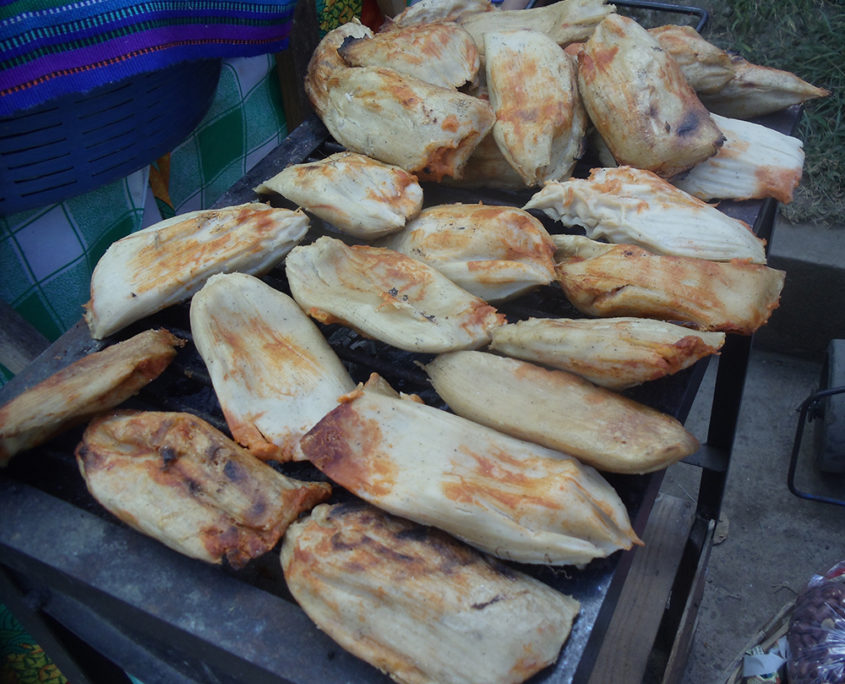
[
  {"x": 172, "y": 610},
  {"x": 168, "y": 618}
]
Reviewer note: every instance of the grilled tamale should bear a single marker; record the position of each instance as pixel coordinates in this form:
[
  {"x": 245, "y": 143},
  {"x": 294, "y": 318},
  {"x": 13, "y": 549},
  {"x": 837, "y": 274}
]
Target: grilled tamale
[
  {"x": 511, "y": 498},
  {"x": 756, "y": 90},
  {"x": 176, "y": 478},
  {"x": 273, "y": 372},
  {"x": 640, "y": 102},
  {"x": 626, "y": 280},
  {"x": 96, "y": 382},
  {"x": 616, "y": 353},
  {"x": 566, "y": 21},
  {"x": 755, "y": 162},
  {"x": 540, "y": 121},
  {"x": 359, "y": 196},
  {"x": 495, "y": 252},
  {"x": 419, "y": 605},
  {"x": 729, "y": 84},
  {"x": 488, "y": 168},
  {"x": 387, "y": 296},
  {"x": 166, "y": 263},
  {"x": 559, "y": 410},
  {"x": 440, "y": 53},
  {"x": 326, "y": 62},
  {"x": 633, "y": 206},
  {"x": 706, "y": 67},
  {"x": 425, "y": 129},
  {"x": 433, "y": 11}
]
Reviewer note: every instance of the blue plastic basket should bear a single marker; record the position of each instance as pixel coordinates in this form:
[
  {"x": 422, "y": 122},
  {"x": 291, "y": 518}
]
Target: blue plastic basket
[{"x": 79, "y": 142}]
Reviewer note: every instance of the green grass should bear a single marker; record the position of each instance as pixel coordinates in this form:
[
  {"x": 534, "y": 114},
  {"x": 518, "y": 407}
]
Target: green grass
[{"x": 806, "y": 37}]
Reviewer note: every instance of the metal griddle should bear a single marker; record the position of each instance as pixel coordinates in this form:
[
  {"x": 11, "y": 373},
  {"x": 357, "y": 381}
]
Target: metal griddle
[{"x": 166, "y": 618}]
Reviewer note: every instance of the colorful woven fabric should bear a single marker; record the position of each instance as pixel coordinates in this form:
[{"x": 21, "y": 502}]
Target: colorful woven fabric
[
  {"x": 50, "y": 48},
  {"x": 22, "y": 661},
  {"x": 333, "y": 13}
]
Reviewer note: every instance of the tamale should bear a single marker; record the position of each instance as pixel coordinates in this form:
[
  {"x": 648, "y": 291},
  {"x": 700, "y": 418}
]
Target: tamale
[
  {"x": 272, "y": 370},
  {"x": 359, "y": 196},
  {"x": 626, "y": 280},
  {"x": 387, "y": 296},
  {"x": 559, "y": 410},
  {"x": 175, "y": 478},
  {"x": 566, "y": 21},
  {"x": 326, "y": 62},
  {"x": 96, "y": 382},
  {"x": 419, "y": 605},
  {"x": 540, "y": 121},
  {"x": 511, "y": 498},
  {"x": 706, "y": 67},
  {"x": 441, "y": 53},
  {"x": 432, "y": 11},
  {"x": 756, "y": 90},
  {"x": 425, "y": 129},
  {"x": 640, "y": 102},
  {"x": 494, "y": 252},
  {"x": 488, "y": 168},
  {"x": 616, "y": 353},
  {"x": 754, "y": 163},
  {"x": 634, "y": 206},
  {"x": 168, "y": 262}
]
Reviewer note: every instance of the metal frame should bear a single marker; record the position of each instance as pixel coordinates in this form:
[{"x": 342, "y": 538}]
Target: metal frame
[
  {"x": 701, "y": 13},
  {"x": 807, "y": 409}
]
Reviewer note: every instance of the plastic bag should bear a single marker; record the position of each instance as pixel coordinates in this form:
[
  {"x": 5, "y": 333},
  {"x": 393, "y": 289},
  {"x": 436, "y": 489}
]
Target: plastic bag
[{"x": 816, "y": 633}]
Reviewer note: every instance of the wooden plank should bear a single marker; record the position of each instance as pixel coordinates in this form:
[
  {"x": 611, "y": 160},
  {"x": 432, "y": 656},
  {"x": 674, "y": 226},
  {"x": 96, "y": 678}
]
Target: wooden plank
[
  {"x": 677, "y": 661},
  {"x": 630, "y": 636}
]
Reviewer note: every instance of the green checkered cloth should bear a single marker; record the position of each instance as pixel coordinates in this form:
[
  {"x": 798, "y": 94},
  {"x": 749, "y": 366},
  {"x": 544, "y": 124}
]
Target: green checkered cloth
[{"x": 47, "y": 255}]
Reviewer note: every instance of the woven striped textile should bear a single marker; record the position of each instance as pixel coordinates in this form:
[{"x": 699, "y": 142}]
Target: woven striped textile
[{"x": 50, "y": 48}]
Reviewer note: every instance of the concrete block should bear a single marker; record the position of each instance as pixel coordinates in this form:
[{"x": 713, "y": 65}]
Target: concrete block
[{"x": 812, "y": 306}]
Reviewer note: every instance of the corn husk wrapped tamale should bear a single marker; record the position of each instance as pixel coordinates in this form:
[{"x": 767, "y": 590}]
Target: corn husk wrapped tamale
[
  {"x": 176, "y": 478},
  {"x": 616, "y": 353},
  {"x": 633, "y": 206},
  {"x": 566, "y": 21},
  {"x": 706, "y": 67},
  {"x": 757, "y": 90},
  {"x": 511, "y": 498},
  {"x": 419, "y": 605},
  {"x": 730, "y": 85},
  {"x": 95, "y": 383},
  {"x": 387, "y": 296},
  {"x": 326, "y": 63},
  {"x": 559, "y": 410},
  {"x": 494, "y": 252},
  {"x": 755, "y": 162},
  {"x": 540, "y": 121},
  {"x": 626, "y": 280},
  {"x": 443, "y": 54},
  {"x": 425, "y": 129},
  {"x": 488, "y": 168},
  {"x": 640, "y": 102},
  {"x": 359, "y": 196},
  {"x": 432, "y": 11},
  {"x": 166, "y": 263},
  {"x": 273, "y": 372}
]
